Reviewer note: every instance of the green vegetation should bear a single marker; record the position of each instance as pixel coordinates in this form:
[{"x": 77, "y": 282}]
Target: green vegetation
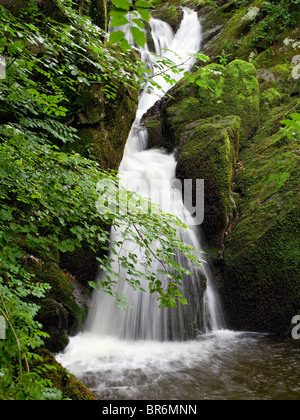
[
  {"x": 252, "y": 202},
  {"x": 48, "y": 191},
  {"x": 66, "y": 106}
]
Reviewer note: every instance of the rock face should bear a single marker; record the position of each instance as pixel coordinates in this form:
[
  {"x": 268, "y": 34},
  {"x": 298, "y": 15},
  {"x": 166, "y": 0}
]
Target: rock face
[
  {"x": 210, "y": 153},
  {"x": 252, "y": 207},
  {"x": 231, "y": 138},
  {"x": 207, "y": 128},
  {"x": 63, "y": 309},
  {"x": 262, "y": 287},
  {"x": 104, "y": 124}
]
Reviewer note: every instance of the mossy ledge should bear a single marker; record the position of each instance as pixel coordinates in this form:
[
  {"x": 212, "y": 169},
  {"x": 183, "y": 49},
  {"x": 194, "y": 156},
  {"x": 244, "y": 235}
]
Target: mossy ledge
[{"x": 66, "y": 382}]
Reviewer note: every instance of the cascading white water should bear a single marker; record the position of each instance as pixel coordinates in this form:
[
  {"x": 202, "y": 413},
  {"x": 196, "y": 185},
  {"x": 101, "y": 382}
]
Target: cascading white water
[
  {"x": 138, "y": 170},
  {"x": 220, "y": 364},
  {"x": 143, "y": 327}
]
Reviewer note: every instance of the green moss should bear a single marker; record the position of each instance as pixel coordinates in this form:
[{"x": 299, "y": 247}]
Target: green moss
[
  {"x": 63, "y": 286},
  {"x": 54, "y": 318},
  {"x": 210, "y": 153},
  {"x": 235, "y": 92},
  {"x": 269, "y": 99},
  {"x": 64, "y": 308},
  {"x": 262, "y": 288},
  {"x": 71, "y": 387},
  {"x": 153, "y": 124},
  {"x": 235, "y": 29},
  {"x": 170, "y": 14},
  {"x": 104, "y": 125},
  {"x": 95, "y": 143}
]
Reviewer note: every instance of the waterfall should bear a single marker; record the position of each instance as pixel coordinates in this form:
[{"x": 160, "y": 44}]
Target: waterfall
[
  {"x": 149, "y": 354},
  {"x": 139, "y": 167}
]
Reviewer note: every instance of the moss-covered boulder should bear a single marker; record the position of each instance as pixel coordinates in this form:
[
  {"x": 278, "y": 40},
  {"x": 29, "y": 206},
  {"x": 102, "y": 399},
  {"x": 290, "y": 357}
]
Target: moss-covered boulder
[
  {"x": 170, "y": 13},
  {"x": 235, "y": 92},
  {"x": 104, "y": 124},
  {"x": 61, "y": 378},
  {"x": 194, "y": 122},
  {"x": 262, "y": 260},
  {"x": 67, "y": 291},
  {"x": 54, "y": 318},
  {"x": 210, "y": 153},
  {"x": 63, "y": 309}
]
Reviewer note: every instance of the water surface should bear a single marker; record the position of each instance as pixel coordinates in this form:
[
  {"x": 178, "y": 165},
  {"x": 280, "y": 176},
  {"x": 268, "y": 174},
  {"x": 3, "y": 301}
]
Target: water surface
[{"x": 218, "y": 366}]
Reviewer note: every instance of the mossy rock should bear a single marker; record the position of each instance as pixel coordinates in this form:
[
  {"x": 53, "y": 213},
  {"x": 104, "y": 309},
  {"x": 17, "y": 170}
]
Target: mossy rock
[
  {"x": 172, "y": 14},
  {"x": 63, "y": 290},
  {"x": 270, "y": 99},
  {"x": 237, "y": 25},
  {"x": 63, "y": 309},
  {"x": 104, "y": 124},
  {"x": 61, "y": 378},
  {"x": 54, "y": 318},
  {"x": 262, "y": 287},
  {"x": 235, "y": 92},
  {"x": 82, "y": 263},
  {"x": 210, "y": 153},
  {"x": 281, "y": 78}
]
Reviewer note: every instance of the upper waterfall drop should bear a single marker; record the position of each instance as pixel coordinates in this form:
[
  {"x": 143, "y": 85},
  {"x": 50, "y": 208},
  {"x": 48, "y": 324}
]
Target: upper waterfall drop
[
  {"x": 177, "y": 47},
  {"x": 143, "y": 319}
]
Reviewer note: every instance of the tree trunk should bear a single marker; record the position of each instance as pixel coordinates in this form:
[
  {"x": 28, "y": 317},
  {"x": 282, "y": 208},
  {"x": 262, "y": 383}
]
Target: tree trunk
[{"x": 98, "y": 13}]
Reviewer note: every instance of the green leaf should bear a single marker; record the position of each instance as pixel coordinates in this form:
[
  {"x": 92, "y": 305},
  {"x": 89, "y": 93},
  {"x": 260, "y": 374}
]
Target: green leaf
[
  {"x": 6, "y": 215},
  {"x": 93, "y": 285},
  {"x": 183, "y": 301},
  {"x": 125, "y": 45},
  {"x": 295, "y": 116},
  {"x": 138, "y": 36},
  {"x": 291, "y": 123},
  {"x": 139, "y": 23},
  {"x": 144, "y": 13},
  {"x": 119, "y": 21},
  {"x": 118, "y": 13},
  {"x": 116, "y": 36},
  {"x": 143, "y": 4},
  {"x": 121, "y": 4}
]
